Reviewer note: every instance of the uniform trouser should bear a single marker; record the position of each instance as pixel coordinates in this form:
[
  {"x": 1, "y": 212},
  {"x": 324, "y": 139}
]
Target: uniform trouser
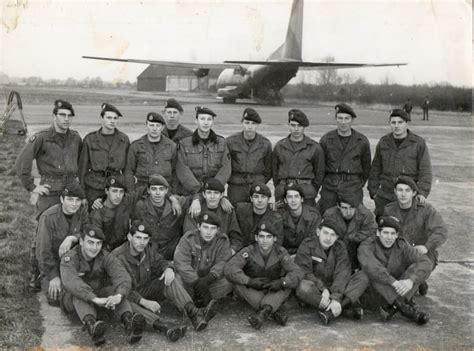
[
  {"x": 425, "y": 113},
  {"x": 259, "y": 298},
  {"x": 329, "y": 198},
  {"x": 175, "y": 292},
  {"x": 309, "y": 292},
  {"x": 92, "y": 194},
  {"x": 238, "y": 193},
  {"x": 218, "y": 289},
  {"x": 380, "y": 203}
]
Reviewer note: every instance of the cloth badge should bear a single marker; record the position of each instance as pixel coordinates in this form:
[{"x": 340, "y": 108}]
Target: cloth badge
[
  {"x": 245, "y": 255},
  {"x": 91, "y": 232},
  {"x": 59, "y": 104},
  {"x": 112, "y": 181},
  {"x": 67, "y": 259},
  {"x": 206, "y": 217},
  {"x": 262, "y": 227},
  {"x": 257, "y": 188},
  {"x": 141, "y": 227},
  {"x": 317, "y": 259}
]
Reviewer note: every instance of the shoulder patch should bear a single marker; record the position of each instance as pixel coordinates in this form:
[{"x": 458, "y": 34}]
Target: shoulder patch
[
  {"x": 245, "y": 255},
  {"x": 32, "y": 138}
]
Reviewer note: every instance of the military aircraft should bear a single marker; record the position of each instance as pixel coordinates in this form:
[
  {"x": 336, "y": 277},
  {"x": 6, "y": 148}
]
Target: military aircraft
[{"x": 259, "y": 80}]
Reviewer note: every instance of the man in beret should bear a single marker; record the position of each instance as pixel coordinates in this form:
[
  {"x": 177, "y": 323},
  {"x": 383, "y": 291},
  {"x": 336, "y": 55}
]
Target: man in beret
[
  {"x": 327, "y": 284},
  {"x": 202, "y": 155},
  {"x": 103, "y": 154},
  {"x": 395, "y": 269},
  {"x": 299, "y": 220},
  {"x": 174, "y": 130},
  {"x": 58, "y": 230},
  {"x": 251, "y": 157},
  {"x": 297, "y": 159},
  {"x": 347, "y": 155},
  {"x": 401, "y": 152},
  {"x": 95, "y": 278},
  {"x": 357, "y": 223},
  {"x": 421, "y": 225},
  {"x": 263, "y": 274},
  {"x": 251, "y": 215}
]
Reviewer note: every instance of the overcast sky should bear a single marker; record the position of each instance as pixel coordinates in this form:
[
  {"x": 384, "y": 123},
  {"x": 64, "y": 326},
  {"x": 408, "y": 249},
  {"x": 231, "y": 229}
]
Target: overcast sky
[{"x": 47, "y": 38}]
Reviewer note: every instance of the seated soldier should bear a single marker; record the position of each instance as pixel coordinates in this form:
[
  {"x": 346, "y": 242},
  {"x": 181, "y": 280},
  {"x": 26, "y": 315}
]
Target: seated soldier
[
  {"x": 421, "y": 225},
  {"x": 357, "y": 223},
  {"x": 95, "y": 278},
  {"x": 251, "y": 215},
  {"x": 263, "y": 274},
  {"x": 299, "y": 220},
  {"x": 59, "y": 228},
  {"x": 199, "y": 261},
  {"x": 153, "y": 279},
  {"x": 395, "y": 269},
  {"x": 327, "y": 284}
]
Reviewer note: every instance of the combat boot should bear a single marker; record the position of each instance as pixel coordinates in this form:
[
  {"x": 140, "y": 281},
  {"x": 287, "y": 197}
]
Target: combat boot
[
  {"x": 387, "y": 312},
  {"x": 135, "y": 325},
  {"x": 196, "y": 316},
  {"x": 280, "y": 317},
  {"x": 173, "y": 332},
  {"x": 256, "y": 319},
  {"x": 411, "y": 312},
  {"x": 210, "y": 310},
  {"x": 96, "y": 329},
  {"x": 325, "y": 317}
]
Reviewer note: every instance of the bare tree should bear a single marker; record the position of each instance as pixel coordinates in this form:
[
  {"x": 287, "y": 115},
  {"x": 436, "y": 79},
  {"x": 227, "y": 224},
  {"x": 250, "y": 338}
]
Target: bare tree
[{"x": 328, "y": 76}]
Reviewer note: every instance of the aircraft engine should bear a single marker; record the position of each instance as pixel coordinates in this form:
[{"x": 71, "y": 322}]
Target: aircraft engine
[{"x": 201, "y": 72}]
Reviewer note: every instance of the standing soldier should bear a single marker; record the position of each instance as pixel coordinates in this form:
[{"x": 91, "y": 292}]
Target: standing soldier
[
  {"x": 347, "y": 154},
  {"x": 426, "y": 106},
  {"x": 103, "y": 154},
  {"x": 174, "y": 130},
  {"x": 408, "y": 107},
  {"x": 297, "y": 159},
  {"x": 251, "y": 156},
  {"x": 400, "y": 152}
]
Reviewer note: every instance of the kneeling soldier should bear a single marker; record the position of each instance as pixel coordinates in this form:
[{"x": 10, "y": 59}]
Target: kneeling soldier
[
  {"x": 263, "y": 274},
  {"x": 84, "y": 271}
]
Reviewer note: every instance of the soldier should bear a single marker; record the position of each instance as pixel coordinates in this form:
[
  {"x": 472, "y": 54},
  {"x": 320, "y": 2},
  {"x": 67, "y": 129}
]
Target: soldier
[
  {"x": 174, "y": 130},
  {"x": 87, "y": 271},
  {"x": 56, "y": 151},
  {"x": 347, "y": 155},
  {"x": 421, "y": 225},
  {"x": 426, "y": 107},
  {"x": 153, "y": 153},
  {"x": 251, "y": 215},
  {"x": 251, "y": 156},
  {"x": 408, "y": 107},
  {"x": 357, "y": 223},
  {"x": 297, "y": 159},
  {"x": 399, "y": 153},
  {"x": 263, "y": 274},
  {"x": 327, "y": 284},
  {"x": 395, "y": 270},
  {"x": 103, "y": 154},
  {"x": 202, "y": 155},
  {"x": 299, "y": 220},
  {"x": 58, "y": 230}
]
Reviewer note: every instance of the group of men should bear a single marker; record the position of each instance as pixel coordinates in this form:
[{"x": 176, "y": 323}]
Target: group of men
[{"x": 123, "y": 226}]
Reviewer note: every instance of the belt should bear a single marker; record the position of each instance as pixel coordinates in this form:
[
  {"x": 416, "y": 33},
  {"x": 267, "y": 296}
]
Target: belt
[
  {"x": 295, "y": 181},
  {"x": 107, "y": 173},
  {"x": 64, "y": 177},
  {"x": 346, "y": 176}
]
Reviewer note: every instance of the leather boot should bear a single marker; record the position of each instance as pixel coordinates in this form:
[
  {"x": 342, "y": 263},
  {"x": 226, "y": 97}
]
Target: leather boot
[
  {"x": 196, "y": 316},
  {"x": 96, "y": 329},
  {"x": 135, "y": 325},
  {"x": 387, "y": 312},
  {"x": 325, "y": 317},
  {"x": 210, "y": 310},
  {"x": 280, "y": 317},
  {"x": 411, "y": 312},
  {"x": 173, "y": 332},
  {"x": 256, "y": 319}
]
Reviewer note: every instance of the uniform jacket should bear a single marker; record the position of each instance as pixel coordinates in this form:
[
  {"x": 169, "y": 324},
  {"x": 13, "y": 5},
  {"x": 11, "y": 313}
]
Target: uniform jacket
[
  {"x": 331, "y": 270},
  {"x": 97, "y": 157},
  {"x": 83, "y": 279},
  {"x": 142, "y": 270},
  {"x": 53, "y": 228},
  {"x": 249, "y": 228},
  {"x": 353, "y": 160},
  {"x": 198, "y": 160},
  {"x": 385, "y": 266},
  {"x": 250, "y": 164},
  {"x": 56, "y": 159},
  {"x": 182, "y": 132},
  {"x": 411, "y": 159},
  {"x": 195, "y": 258},
  {"x": 423, "y": 226}
]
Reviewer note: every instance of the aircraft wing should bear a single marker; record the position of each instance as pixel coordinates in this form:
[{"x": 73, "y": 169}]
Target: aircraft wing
[{"x": 315, "y": 65}]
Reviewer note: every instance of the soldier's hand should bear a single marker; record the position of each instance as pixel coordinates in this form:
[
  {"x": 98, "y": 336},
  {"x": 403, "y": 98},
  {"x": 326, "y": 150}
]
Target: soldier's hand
[
  {"x": 168, "y": 275},
  {"x": 100, "y": 301},
  {"x": 54, "y": 288},
  {"x": 335, "y": 307},
  {"x": 195, "y": 208},
  {"x": 277, "y": 204},
  {"x": 66, "y": 245},
  {"x": 97, "y": 204},
  {"x": 324, "y": 303},
  {"x": 177, "y": 210},
  {"x": 113, "y": 301},
  {"x": 41, "y": 189},
  {"x": 258, "y": 283},
  {"x": 421, "y": 199},
  {"x": 226, "y": 205},
  {"x": 274, "y": 285},
  {"x": 421, "y": 249},
  {"x": 403, "y": 286},
  {"x": 150, "y": 305}
]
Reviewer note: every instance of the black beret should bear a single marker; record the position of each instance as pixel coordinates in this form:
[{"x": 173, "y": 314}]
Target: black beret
[
  {"x": 349, "y": 198},
  {"x": 73, "y": 189},
  {"x": 260, "y": 188},
  {"x": 213, "y": 184},
  {"x": 116, "y": 182},
  {"x": 298, "y": 116},
  {"x": 344, "y": 108},
  {"x": 294, "y": 187},
  {"x": 391, "y": 222},
  {"x": 62, "y": 104},
  {"x": 158, "y": 179},
  {"x": 333, "y": 224},
  {"x": 268, "y": 228},
  {"x": 201, "y": 110},
  {"x": 402, "y": 179},
  {"x": 155, "y": 117},
  {"x": 209, "y": 218},
  {"x": 251, "y": 115},
  {"x": 93, "y": 231},
  {"x": 398, "y": 112},
  {"x": 139, "y": 226},
  {"x": 109, "y": 107},
  {"x": 172, "y": 103}
]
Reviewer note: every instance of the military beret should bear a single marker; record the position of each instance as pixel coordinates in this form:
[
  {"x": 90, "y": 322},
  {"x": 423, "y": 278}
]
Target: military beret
[
  {"x": 93, "y": 231},
  {"x": 172, "y": 103},
  {"x": 402, "y": 179},
  {"x": 296, "y": 115},
  {"x": 73, "y": 189},
  {"x": 389, "y": 221},
  {"x": 348, "y": 198},
  {"x": 268, "y": 228},
  {"x": 294, "y": 187},
  {"x": 116, "y": 182},
  {"x": 106, "y": 107},
  {"x": 201, "y": 110},
  {"x": 331, "y": 223},
  {"x": 155, "y": 117},
  {"x": 158, "y": 179},
  {"x": 398, "y": 112},
  {"x": 260, "y": 188},
  {"x": 344, "y": 108},
  {"x": 139, "y": 226},
  {"x": 58, "y": 104},
  {"x": 251, "y": 115},
  {"x": 209, "y": 218},
  {"x": 213, "y": 184}
]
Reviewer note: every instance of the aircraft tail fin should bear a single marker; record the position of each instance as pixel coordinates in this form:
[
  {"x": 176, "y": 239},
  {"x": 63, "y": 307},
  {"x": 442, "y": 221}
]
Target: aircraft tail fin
[{"x": 292, "y": 46}]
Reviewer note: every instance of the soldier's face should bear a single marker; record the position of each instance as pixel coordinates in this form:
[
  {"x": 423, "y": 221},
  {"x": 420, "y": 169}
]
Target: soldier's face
[
  {"x": 62, "y": 119},
  {"x": 404, "y": 194},
  {"x": 172, "y": 116},
  {"x": 157, "y": 194},
  {"x": 154, "y": 129},
  {"x": 212, "y": 198},
  {"x": 70, "y": 204},
  {"x": 294, "y": 200},
  {"x": 90, "y": 247},
  {"x": 296, "y": 129},
  {"x": 249, "y": 128},
  {"x": 115, "y": 195},
  {"x": 265, "y": 240},
  {"x": 204, "y": 122},
  {"x": 110, "y": 120},
  {"x": 344, "y": 122},
  {"x": 138, "y": 242},
  {"x": 327, "y": 237},
  {"x": 259, "y": 201},
  {"x": 347, "y": 211},
  {"x": 387, "y": 236},
  {"x": 207, "y": 231},
  {"x": 399, "y": 126}
]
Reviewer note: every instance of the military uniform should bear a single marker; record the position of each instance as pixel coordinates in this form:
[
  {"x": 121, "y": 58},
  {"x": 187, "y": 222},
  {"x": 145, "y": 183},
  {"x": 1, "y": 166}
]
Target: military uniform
[{"x": 181, "y": 133}]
